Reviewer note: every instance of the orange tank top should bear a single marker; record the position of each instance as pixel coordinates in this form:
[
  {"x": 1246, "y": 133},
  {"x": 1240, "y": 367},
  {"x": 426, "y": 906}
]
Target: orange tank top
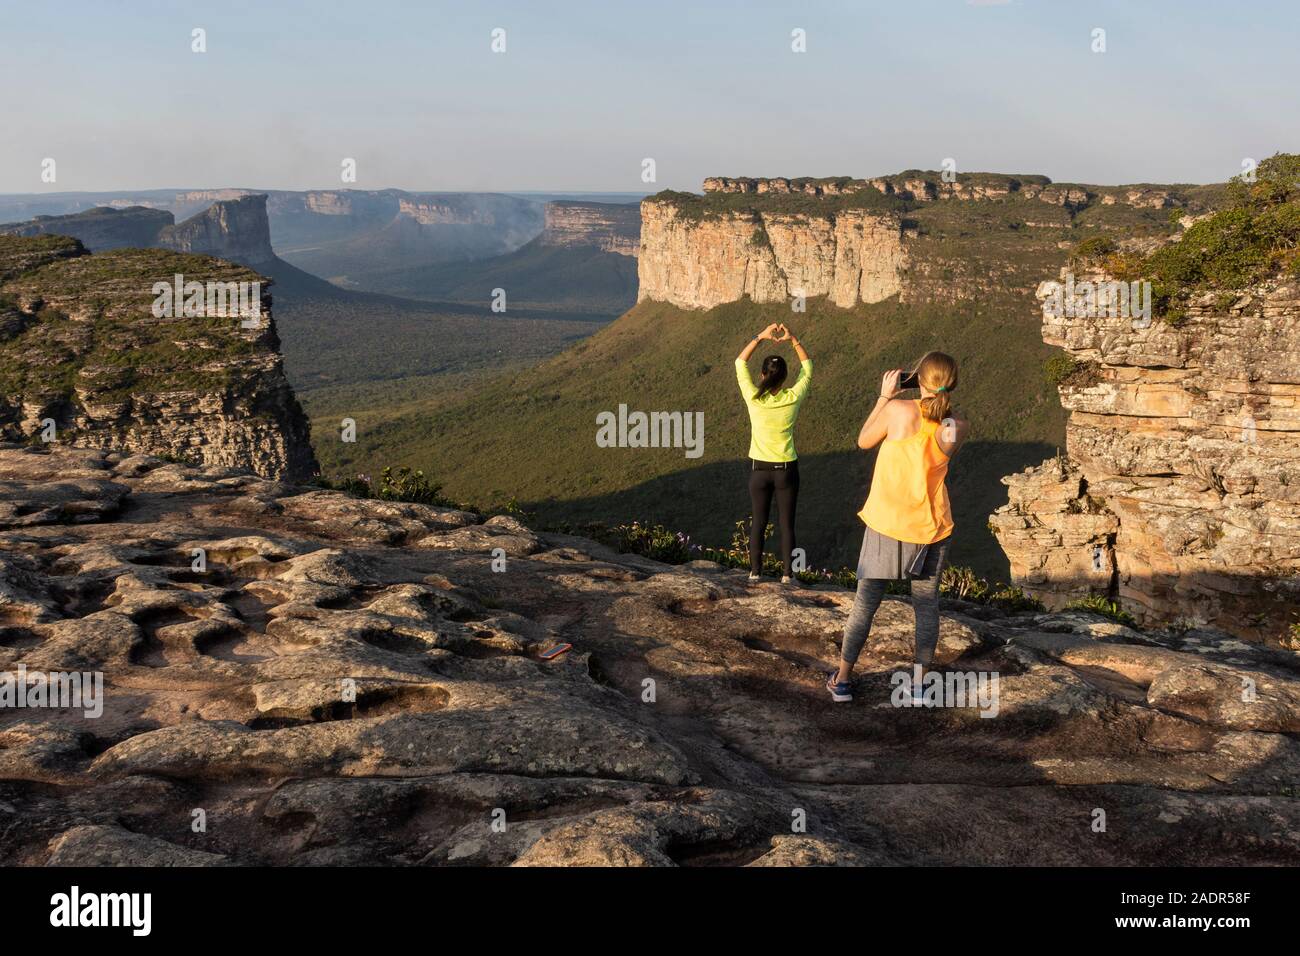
[{"x": 908, "y": 499}]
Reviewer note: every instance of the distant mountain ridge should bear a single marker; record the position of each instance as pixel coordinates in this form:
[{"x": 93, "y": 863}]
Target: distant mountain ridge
[
  {"x": 583, "y": 261},
  {"x": 348, "y": 233},
  {"x": 344, "y": 235},
  {"x": 235, "y": 229}
]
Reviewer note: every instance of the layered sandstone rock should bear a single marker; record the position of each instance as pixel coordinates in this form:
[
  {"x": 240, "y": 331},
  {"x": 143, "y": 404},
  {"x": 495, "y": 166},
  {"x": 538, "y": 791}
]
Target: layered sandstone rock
[
  {"x": 1183, "y": 468},
  {"x": 693, "y": 262},
  {"x": 328, "y": 203},
  {"x": 610, "y": 227},
  {"x": 431, "y": 213},
  {"x": 85, "y": 359},
  {"x": 234, "y": 229},
  {"x": 854, "y": 240},
  {"x": 351, "y": 681}
]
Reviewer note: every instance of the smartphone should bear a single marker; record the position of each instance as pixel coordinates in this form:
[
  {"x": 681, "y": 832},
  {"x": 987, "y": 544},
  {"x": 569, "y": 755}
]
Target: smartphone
[
  {"x": 553, "y": 652},
  {"x": 909, "y": 379}
]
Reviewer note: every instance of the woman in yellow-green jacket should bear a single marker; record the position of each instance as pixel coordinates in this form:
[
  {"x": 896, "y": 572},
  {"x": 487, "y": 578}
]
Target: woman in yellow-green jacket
[{"x": 774, "y": 467}]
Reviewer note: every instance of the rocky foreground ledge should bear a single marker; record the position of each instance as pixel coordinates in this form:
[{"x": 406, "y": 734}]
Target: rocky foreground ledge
[{"x": 227, "y": 735}]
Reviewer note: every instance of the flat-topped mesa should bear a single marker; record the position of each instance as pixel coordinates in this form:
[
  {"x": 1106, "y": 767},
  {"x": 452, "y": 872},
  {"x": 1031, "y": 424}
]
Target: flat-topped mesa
[
  {"x": 698, "y": 261},
  {"x": 913, "y": 234},
  {"x": 235, "y": 229},
  {"x": 924, "y": 186},
  {"x": 610, "y": 227},
  {"x": 88, "y": 358},
  {"x": 1180, "y": 492}
]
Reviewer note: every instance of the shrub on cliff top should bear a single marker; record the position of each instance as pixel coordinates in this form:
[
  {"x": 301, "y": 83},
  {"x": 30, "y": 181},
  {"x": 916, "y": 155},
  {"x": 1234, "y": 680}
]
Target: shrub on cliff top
[
  {"x": 1256, "y": 238},
  {"x": 1058, "y": 368},
  {"x": 1094, "y": 247},
  {"x": 1065, "y": 369}
]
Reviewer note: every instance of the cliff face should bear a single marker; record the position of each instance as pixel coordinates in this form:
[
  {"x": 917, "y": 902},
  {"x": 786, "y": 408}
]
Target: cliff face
[
  {"x": 80, "y": 347},
  {"x": 610, "y": 227},
  {"x": 699, "y": 262},
  {"x": 911, "y": 234},
  {"x": 1180, "y": 493},
  {"x": 234, "y": 229},
  {"x": 433, "y": 213}
]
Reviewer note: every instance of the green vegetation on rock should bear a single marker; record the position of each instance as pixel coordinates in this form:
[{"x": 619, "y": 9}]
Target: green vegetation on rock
[
  {"x": 1256, "y": 238},
  {"x": 531, "y": 434},
  {"x": 92, "y": 330},
  {"x": 1105, "y": 607}
]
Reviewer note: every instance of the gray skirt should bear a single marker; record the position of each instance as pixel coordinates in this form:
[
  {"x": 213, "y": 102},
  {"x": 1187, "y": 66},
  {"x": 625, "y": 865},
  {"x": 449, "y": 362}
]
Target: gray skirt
[{"x": 886, "y": 559}]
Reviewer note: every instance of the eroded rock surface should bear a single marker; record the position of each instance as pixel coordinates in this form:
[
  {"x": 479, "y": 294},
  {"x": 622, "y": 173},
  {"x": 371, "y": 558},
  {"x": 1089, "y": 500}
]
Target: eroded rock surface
[
  {"x": 344, "y": 681},
  {"x": 1180, "y": 490}
]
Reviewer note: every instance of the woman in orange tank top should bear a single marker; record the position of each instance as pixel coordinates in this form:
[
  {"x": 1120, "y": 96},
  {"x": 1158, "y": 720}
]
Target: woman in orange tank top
[{"x": 908, "y": 516}]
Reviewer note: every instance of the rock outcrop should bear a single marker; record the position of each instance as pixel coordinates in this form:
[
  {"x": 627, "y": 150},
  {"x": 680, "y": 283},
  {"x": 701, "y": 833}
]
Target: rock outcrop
[
  {"x": 698, "y": 262},
  {"x": 433, "y": 213},
  {"x": 232, "y": 228},
  {"x": 610, "y": 227},
  {"x": 84, "y": 358},
  {"x": 350, "y": 681},
  {"x": 1180, "y": 492},
  {"x": 867, "y": 240}
]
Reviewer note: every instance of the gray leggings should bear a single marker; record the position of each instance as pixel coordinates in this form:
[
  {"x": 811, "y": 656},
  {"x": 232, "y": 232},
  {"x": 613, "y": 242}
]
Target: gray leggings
[{"x": 925, "y": 606}]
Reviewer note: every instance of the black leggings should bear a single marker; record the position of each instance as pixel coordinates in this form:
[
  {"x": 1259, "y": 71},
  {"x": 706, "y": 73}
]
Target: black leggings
[{"x": 763, "y": 483}]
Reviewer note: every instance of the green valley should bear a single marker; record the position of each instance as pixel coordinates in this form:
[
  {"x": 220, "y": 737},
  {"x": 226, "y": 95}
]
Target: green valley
[{"x": 531, "y": 434}]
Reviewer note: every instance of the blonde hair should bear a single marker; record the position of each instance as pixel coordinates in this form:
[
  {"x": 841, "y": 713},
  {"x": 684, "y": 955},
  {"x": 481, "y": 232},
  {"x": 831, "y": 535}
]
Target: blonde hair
[{"x": 937, "y": 372}]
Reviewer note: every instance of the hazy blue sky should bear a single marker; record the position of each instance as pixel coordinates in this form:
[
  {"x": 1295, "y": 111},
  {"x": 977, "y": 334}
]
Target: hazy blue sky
[{"x": 586, "y": 90}]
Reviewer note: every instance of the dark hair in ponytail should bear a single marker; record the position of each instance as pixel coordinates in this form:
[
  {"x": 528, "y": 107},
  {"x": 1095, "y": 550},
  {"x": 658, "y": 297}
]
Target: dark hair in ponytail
[
  {"x": 938, "y": 373},
  {"x": 774, "y": 372}
]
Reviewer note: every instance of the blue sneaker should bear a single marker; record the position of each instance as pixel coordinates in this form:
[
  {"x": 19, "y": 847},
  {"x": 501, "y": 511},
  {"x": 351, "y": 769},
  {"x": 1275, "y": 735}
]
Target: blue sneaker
[{"x": 841, "y": 693}]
